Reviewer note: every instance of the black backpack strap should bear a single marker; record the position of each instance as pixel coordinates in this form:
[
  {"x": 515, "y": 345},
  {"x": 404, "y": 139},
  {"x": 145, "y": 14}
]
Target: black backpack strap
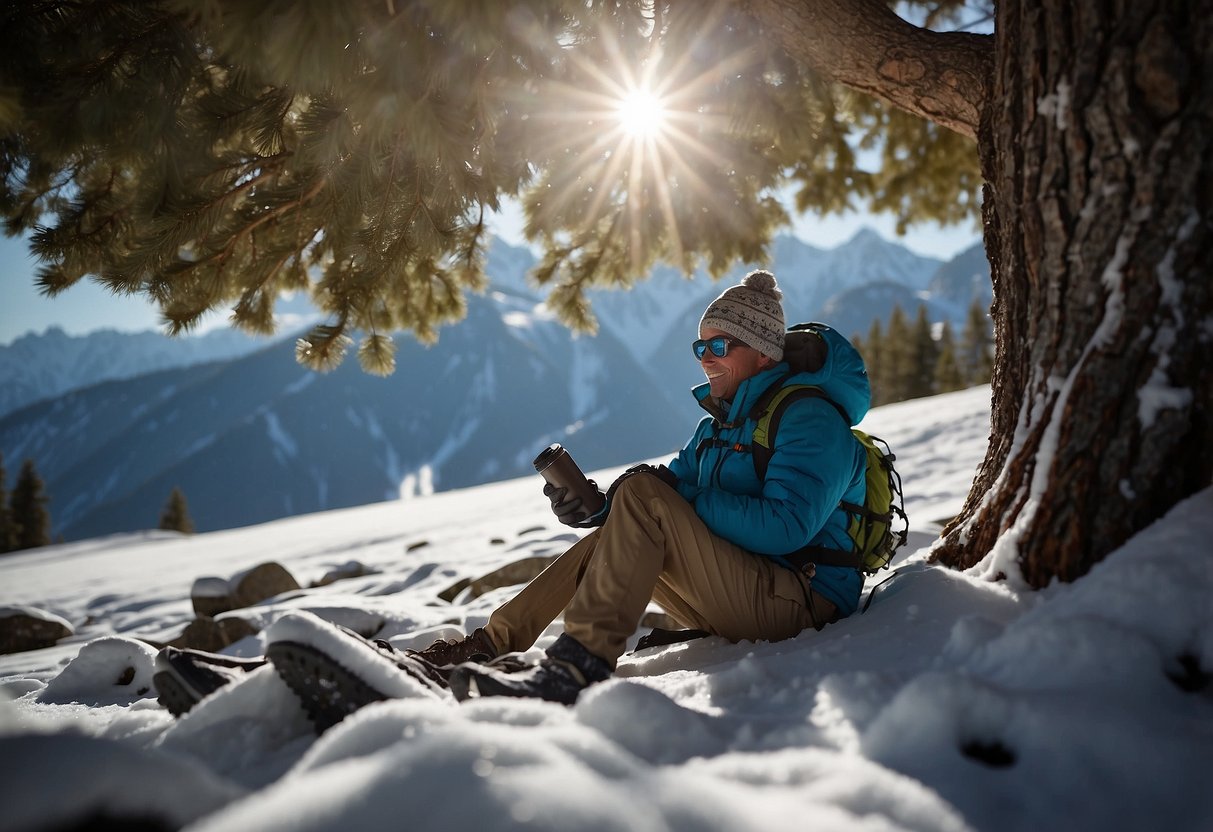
[
  {"x": 706, "y": 443},
  {"x": 823, "y": 556}
]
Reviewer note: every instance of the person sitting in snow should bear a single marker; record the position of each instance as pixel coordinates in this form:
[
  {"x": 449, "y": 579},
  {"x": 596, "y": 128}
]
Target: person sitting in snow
[{"x": 704, "y": 537}]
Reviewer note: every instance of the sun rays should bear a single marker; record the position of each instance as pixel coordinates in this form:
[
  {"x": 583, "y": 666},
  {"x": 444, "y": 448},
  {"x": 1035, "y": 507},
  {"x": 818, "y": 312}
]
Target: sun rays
[{"x": 640, "y": 131}]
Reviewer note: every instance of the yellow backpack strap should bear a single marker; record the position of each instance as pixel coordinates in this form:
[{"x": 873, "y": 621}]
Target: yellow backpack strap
[
  {"x": 766, "y": 424},
  {"x": 763, "y": 433}
]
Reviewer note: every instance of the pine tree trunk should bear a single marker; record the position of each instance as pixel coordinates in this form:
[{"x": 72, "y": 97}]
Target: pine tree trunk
[{"x": 1096, "y": 149}]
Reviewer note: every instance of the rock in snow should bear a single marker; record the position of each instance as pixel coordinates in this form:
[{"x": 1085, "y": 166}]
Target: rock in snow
[{"x": 28, "y": 628}]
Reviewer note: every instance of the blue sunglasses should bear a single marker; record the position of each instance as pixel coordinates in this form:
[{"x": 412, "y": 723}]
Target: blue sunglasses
[{"x": 720, "y": 346}]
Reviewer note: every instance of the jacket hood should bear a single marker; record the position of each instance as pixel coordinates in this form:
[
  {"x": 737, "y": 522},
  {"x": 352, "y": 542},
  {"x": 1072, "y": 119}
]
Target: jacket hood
[{"x": 820, "y": 356}]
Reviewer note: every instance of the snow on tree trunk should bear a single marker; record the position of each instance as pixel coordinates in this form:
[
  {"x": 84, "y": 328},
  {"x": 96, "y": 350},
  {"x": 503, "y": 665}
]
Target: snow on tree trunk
[{"x": 1096, "y": 149}]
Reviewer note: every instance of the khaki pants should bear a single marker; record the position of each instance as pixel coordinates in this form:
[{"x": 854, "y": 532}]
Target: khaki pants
[{"x": 654, "y": 547}]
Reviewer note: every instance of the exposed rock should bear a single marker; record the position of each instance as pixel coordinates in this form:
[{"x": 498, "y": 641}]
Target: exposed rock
[
  {"x": 518, "y": 572},
  {"x": 202, "y": 633},
  {"x": 232, "y": 629},
  {"x": 210, "y": 596},
  {"x": 451, "y": 592},
  {"x": 353, "y": 569},
  {"x": 261, "y": 582},
  {"x": 210, "y": 635},
  {"x": 24, "y": 629}
]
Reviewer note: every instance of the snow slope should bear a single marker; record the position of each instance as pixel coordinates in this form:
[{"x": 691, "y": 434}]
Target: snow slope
[{"x": 952, "y": 703}]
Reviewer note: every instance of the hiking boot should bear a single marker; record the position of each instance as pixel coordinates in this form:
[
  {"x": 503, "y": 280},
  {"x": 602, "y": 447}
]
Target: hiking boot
[
  {"x": 561, "y": 676},
  {"x": 445, "y": 654},
  {"x": 184, "y": 677},
  {"x": 334, "y": 671}
]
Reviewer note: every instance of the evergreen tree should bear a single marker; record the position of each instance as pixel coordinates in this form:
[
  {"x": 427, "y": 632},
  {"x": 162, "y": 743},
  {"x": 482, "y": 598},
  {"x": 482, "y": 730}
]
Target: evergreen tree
[
  {"x": 924, "y": 356},
  {"x": 898, "y": 357},
  {"x": 175, "y": 516},
  {"x": 874, "y": 358},
  {"x": 30, "y": 516},
  {"x": 948, "y": 376},
  {"x": 977, "y": 346},
  {"x": 7, "y": 538}
]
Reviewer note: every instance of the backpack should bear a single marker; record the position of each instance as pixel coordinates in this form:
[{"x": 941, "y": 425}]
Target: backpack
[{"x": 871, "y": 526}]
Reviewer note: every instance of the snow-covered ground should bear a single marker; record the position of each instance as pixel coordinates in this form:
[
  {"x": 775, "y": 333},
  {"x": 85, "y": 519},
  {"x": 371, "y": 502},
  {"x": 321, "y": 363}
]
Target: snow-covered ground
[{"x": 951, "y": 703}]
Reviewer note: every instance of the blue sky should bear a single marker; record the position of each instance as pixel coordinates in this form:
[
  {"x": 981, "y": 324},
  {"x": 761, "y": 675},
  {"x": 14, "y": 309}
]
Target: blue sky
[{"x": 87, "y": 307}]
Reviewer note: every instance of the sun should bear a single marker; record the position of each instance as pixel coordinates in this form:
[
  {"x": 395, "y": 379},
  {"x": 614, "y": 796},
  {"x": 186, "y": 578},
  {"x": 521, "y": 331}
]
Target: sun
[
  {"x": 642, "y": 114},
  {"x": 636, "y": 131}
]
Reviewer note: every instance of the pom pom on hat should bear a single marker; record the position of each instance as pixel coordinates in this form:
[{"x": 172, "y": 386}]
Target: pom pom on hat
[
  {"x": 763, "y": 281},
  {"x": 752, "y": 312}
]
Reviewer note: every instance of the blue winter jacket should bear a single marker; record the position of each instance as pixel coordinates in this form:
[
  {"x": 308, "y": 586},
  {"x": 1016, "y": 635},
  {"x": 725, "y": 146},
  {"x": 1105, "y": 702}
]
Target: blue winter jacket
[{"x": 815, "y": 464}]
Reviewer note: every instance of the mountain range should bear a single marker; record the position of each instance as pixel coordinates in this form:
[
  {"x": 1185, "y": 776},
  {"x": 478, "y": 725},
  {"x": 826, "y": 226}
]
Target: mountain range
[
  {"x": 249, "y": 435},
  {"x": 49, "y": 364}
]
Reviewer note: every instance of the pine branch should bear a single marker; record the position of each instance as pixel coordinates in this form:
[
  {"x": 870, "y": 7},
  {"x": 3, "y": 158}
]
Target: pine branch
[{"x": 261, "y": 219}]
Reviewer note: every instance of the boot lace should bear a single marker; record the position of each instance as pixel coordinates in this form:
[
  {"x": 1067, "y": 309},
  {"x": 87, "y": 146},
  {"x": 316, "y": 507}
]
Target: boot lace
[{"x": 456, "y": 651}]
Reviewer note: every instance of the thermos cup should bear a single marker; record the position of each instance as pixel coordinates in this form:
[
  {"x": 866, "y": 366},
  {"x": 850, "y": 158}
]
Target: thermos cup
[{"x": 556, "y": 466}]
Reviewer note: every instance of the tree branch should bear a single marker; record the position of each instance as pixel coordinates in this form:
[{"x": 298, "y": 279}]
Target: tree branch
[{"x": 945, "y": 77}]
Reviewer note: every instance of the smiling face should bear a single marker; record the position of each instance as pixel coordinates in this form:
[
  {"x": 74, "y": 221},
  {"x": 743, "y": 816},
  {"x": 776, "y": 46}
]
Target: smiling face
[{"x": 725, "y": 374}]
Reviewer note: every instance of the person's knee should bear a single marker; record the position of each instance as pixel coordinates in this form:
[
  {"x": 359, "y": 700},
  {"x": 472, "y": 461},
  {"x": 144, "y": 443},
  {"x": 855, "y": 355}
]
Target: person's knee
[
  {"x": 643, "y": 485},
  {"x": 644, "y": 494}
]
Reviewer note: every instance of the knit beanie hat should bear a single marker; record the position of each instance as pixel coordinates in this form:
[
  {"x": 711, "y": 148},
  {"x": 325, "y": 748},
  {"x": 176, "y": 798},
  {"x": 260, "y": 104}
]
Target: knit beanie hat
[{"x": 751, "y": 312}]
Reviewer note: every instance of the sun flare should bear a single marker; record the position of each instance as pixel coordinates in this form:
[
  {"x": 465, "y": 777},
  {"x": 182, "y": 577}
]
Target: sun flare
[
  {"x": 639, "y": 127},
  {"x": 642, "y": 114}
]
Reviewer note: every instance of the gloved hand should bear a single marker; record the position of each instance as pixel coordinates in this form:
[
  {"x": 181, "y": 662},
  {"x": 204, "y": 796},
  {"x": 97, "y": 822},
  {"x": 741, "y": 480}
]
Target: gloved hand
[
  {"x": 569, "y": 512},
  {"x": 664, "y": 474},
  {"x": 659, "y": 471}
]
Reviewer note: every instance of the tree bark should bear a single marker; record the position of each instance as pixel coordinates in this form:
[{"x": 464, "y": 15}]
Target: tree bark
[
  {"x": 1095, "y": 135},
  {"x": 1095, "y": 151},
  {"x": 941, "y": 76}
]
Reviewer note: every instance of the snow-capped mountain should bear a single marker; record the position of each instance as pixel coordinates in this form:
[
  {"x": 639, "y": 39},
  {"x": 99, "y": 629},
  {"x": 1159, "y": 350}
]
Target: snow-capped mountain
[
  {"x": 48, "y": 364},
  {"x": 960, "y": 280},
  {"x": 667, "y": 306},
  {"x": 853, "y": 310},
  {"x": 811, "y": 276},
  {"x": 254, "y": 436}
]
